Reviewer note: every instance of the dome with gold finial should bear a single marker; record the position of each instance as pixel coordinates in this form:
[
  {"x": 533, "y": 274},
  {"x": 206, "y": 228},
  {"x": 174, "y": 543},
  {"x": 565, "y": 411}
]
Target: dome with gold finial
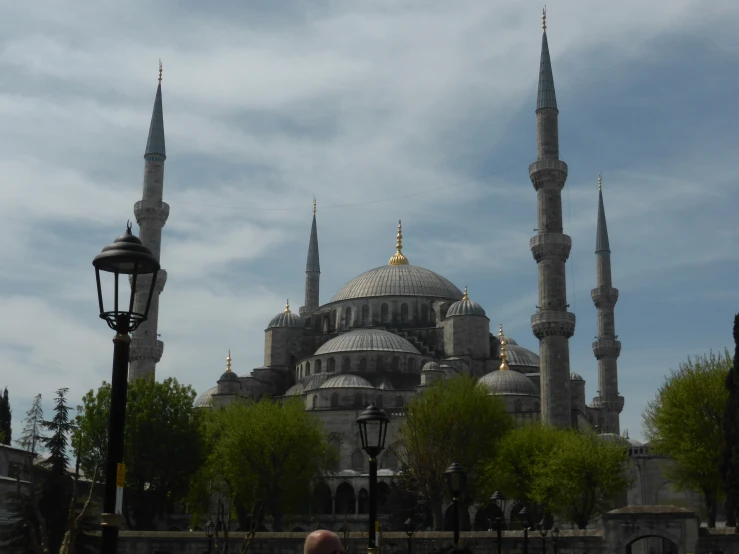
[
  {"x": 286, "y": 319},
  {"x": 465, "y": 307},
  {"x": 504, "y": 381},
  {"x": 228, "y": 375}
]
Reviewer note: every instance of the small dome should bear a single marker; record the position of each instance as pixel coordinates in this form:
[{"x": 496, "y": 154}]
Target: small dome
[
  {"x": 431, "y": 366},
  {"x": 286, "y": 319},
  {"x": 295, "y": 390},
  {"x": 228, "y": 376},
  {"x": 576, "y": 377},
  {"x": 203, "y": 401},
  {"x": 315, "y": 381},
  {"x": 347, "y": 381},
  {"x": 508, "y": 382},
  {"x": 360, "y": 340},
  {"x": 465, "y": 307}
]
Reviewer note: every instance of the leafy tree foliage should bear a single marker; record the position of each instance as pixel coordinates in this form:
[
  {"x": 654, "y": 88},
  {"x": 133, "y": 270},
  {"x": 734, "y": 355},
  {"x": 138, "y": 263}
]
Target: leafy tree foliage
[
  {"x": 454, "y": 420},
  {"x": 730, "y": 448},
  {"x": 163, "y": 448},
  {"x": 685, "y": 422},
  {"x": 5, "y": 417},
  {"x": 405, "y": 502},
  {"x": 265, "y": 455},
  {"x": 31, "y": 437}
]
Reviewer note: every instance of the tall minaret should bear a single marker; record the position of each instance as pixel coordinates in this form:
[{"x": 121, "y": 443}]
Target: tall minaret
[
  {"x": 312, "y": 271},
  {"x": 553, "y": 325},
  {"x": 151, "y": 214},
  {"x": 606, "y": 348}
]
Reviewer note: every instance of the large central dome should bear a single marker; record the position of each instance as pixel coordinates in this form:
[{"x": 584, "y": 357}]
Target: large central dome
[{"x": 398, "y": 280}]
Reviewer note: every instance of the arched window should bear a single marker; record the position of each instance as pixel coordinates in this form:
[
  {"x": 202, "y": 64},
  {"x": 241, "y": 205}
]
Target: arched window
[
  {"x": 411, "y": 365},
  {"x": 399, "y": 402},
  {"x": 326, "y": 325},
  {"x": 345, "y": 501},
  {"x": 348, "y": 317},
  {"x": 346, "y": 365},
  {"x": 297, "y": 373},
  {"x": 425, "y": 313},
  {"x": 384, "y": 317},
  {"x": 335, "y": 400},
  {"x": 322, "y": 499},
  {"x": 396, "y": 364},
  {"x": 333, "y": 319},
  {"x": 362, "y": 364},
  {"x": 331, "y": 365},
  {"x": 390, "y": 460},
  {"x": 379, "y": 401},
  {"x": 318, "y": 366},
  {"x": 433, "y": 315},
  {"x": 315, "y": 401},
  {"x": 357, "y": 461},
  {"x": 358, "y": 400},
  {"x": 363, "y": 501},
  {"x": 403, "y": 312},
  {"x": 365, "y": 315},
  {"x": 307, "y": 368},
  {"x": 380, "y": 364}
]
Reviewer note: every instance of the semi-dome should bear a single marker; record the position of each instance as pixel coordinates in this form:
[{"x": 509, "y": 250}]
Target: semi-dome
[
  {"x": 295, "y": 390},
  {"x": 315, "y": 381},
  {"x": 398, "y": 280},
  {"x": 203, "y": 401},
  {"x": 576, "y": 377},
  {"x": 518, "y": 356},
  {"x": 508, "y": 382},
  {"x": 362, "y": 340},
  {"x": 431, "y": 366},
  {"x": 465, "y": 307},
  {"x": 286, "y": 319},
  {"x": 346, "y": 381}
]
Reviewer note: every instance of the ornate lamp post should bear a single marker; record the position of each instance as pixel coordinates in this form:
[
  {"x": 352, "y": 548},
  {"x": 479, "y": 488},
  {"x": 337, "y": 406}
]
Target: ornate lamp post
[
  {"x": 126, "y": 256},
  {"x": 523, "y": 515},
  {"x": 555, "y": 538},
  {"x": 209, "y": 529},
  {"x": 456, "y": 479},
  {"x": 500, "y": 500},
  {"x": 372, "y": 430},
  {"x": 409, "y": 531},
  {"x": 543, "y": 532}
]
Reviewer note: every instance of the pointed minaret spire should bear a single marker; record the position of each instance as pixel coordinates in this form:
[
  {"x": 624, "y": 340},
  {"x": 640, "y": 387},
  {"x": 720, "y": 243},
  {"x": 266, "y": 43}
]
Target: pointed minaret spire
[
  {"x": 606, "y": 348},
  {"x": 546, "y": 97},
  {"x": 503, "y": 355},
  {"x": 228, "y": 361},
  {"x": 151, "y": 214},
  {"x": 312, "y": 270},
  {"x": 398, "y": 258}
]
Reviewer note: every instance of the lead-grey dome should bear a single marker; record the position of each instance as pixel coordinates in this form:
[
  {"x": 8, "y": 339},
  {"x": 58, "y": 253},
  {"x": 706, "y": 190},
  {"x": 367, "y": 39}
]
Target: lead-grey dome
[
  {"x": 398, "y": 280},
  {"x": 295, "y": 390},
  {"x": 286, "y": 319},
  {"x": 576, "y": 377},
  {"x": 362, "y": 340},
  {"x": 346, "y": 381},
  {"x": 518, "y": 356},
  {"x": 508, "y": 382},
  {"x": 430, "y": 366},
  {"x": 465, "y": 307},
  {"x": 228, "y": 376},
  {"x": 203, "y": 401},
  {"x": 315, "y": 381}
]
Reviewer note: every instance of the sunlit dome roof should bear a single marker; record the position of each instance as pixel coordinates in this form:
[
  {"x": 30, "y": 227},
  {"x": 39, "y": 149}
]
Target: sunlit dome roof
[
  {"x": 346, "y": 381},
  {"x": 286, "y": 319},
  {"x": 518, "y": 356},
  {"x": 507, "y": 382},
  {"x": 465, "y": 307},
  {"x": 315, "y": 381},
  {"x": 362, "y": 340},
  {"x": 295, "y": 390},
  {"x": 203, "y": 401},
  {"x": 398, "y": 280},
  {"x": 576, "y": 377},
  {"x": 430, "y": 366}
]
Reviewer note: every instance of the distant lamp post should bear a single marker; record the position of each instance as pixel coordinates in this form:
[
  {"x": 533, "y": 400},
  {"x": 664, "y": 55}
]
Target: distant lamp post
[
  {"x": 373, "y": 424},
  {"x": 126, "y": 256},
  {"x": 500, "y": 501},
  {"x": 555, "y": 538},
  {"x": 409, "y": 531},
  {"x": 523, "y": 517},
  {"x": 543, "y": 533},
  {"x": 456, "y": 479},
  {"x": 209, "y": 530}
]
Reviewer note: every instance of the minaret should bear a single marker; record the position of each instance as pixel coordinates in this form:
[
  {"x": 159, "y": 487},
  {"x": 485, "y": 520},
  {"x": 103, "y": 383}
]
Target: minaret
[
  {"x": 553, "y": 325},
  {"x": 606, "y": 348},
  {"x": 312, "y": 271},
  {"x": 151, "y": 214}
]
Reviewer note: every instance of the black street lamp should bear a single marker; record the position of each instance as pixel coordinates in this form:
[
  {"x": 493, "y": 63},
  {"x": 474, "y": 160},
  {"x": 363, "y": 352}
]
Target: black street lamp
[
  {"x": 456, "y": 479},
  {"x": 523, "y": 516},
  {"x": 126, "y": 256},
  {"x": 543, "y": 533},
  {"x": 555, "y": 537},
  {"x": 209, "y": 529},
  {"x": 409, "y": 531},
  {"x": 500, "y": 500},
  {"x": 372, "y": 430}
]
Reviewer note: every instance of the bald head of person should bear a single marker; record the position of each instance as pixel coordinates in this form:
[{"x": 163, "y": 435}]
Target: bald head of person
[{"x": 323, "y": 542}]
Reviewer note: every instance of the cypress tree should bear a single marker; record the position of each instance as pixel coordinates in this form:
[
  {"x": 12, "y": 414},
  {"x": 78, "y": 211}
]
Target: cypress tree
[
  {"x": 5, "y": 417},
  {"x": 730, "y": 450}
]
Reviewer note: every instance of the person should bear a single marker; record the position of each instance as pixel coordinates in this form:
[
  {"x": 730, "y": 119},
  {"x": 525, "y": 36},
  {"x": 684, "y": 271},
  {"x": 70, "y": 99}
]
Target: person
[{"x": 323, "y": 542}]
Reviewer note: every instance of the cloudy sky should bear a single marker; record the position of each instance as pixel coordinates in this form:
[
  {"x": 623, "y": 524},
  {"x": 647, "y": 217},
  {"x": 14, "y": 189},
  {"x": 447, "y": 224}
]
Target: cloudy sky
[{"x": 383, "y": 109}]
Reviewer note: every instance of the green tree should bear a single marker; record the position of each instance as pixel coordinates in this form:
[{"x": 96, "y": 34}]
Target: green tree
[
  {"x": 582, "y": 477},
  {"x": 163, "y": 446},
  {"x": 454, "y": 420},
  {"x": 5, "y": 417},
  {"x": 685, "y": 422},
  {"x": 730, "y": 447},
  {"x": 266, "y": 455}
]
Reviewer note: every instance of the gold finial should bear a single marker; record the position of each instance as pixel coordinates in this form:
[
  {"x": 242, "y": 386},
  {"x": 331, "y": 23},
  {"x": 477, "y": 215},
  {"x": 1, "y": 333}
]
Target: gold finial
[
  {"x": 399, "y": 258},
  {"x": 464, "y": 296},
  {"x": 314, "y": 204},
  {"x": 228, "y": 361},
  {"x": 503, "y": 362},
  {"x": 160, "y": 71},
  {"x": 544, "y": 18},
  {"x": 600, "y": 181},
  {"x": 287, "y": 306}
]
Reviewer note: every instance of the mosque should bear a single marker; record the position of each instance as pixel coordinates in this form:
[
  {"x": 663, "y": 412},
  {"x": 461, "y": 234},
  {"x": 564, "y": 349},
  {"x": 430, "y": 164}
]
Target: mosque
[{"x": 395, "y": 329}]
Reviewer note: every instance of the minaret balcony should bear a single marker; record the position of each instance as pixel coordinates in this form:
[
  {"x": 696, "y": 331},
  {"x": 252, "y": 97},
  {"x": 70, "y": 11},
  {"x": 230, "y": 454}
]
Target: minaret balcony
[
  {"x": 606, "y": 348},
  {"x": 148, "y": 213},
  {"x": 551, "y": 323},
  {"x": 604, "y": 296},
  {"x": 551, "y": 246},
  {"x": 614, "y": 404},
  {"x": 548, "y": 173},
  {"x": 143, "y": 282},
  {"x": 144, "y": 348}
]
